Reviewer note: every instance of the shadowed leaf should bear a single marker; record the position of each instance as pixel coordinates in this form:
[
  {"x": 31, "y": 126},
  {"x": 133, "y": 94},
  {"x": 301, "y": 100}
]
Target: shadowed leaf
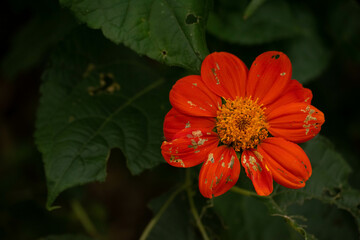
[
  {"x": 271, "y": 21},
  {"x": 252, "y": 7},
  {"x": 169, "y": 31},
  {"x": 92, "y": 101}
]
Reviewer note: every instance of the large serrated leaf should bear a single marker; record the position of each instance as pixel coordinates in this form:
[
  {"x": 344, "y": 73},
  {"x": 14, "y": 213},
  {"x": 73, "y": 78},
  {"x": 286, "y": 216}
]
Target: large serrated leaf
[
  {"x": 244, "y": 217},
  {"x": 328, "y": 182},
  {"x": 169, "y": 31},
  {"x": 92, "y": 101},
  {"x": 326, "y": 190}
]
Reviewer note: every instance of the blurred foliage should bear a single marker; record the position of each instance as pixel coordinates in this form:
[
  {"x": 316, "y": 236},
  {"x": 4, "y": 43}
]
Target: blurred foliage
[
  {"x": 95, "y": 97},
  {"x": 66, "y": 237},
  {"x": 293, "y": 23}
]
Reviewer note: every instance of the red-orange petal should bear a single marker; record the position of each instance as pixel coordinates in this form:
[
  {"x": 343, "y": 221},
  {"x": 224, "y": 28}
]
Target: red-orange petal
[
  {"x": 269, "y": 76},
  {"x": 296, "y": 122},
  {"x": 190, "y": 147},
  {"x": 295, "y": 92},
  {"x": 224, "y": 74},
  {"x": 220, "y": 172},
  {"x": 175, "y": 122},
  {"x": 257, "y": 170},
  {"x": 287, "y": 162},
  {"x": 190, "y": 96}
]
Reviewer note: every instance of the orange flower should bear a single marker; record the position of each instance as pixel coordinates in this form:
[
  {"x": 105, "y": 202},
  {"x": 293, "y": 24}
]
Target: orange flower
[{"x": 259, "y": 114}]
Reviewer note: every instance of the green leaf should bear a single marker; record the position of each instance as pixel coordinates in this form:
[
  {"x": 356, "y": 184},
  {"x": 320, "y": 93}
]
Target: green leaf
[
  {"x": 308, "y": 56},
  {"x": 252, "y": 7},
  {"x": 319, "y": 216},
  {"x": 327, "y": 189},
  {"x": 272, "y": 21},
  {"x": 248, "y": 218},
  {"x": 95, "y": 97},
  {"x": 66, "y": 237},
  {"x": 292, "y": 220},
  {"x": 307, "y": 52},
  {"x": 328, "y": 182},
  {"x": 175, "y": 220},
  {"x": 169, "y": 31}
]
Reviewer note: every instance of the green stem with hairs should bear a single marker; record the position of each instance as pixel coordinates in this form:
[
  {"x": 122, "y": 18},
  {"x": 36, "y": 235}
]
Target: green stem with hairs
[
  {"x": 192, "y": 206},
  {"x": 157, "y": 217},
  {"x": 84, "y": 219},
  {"x": 244, "y": 192}
]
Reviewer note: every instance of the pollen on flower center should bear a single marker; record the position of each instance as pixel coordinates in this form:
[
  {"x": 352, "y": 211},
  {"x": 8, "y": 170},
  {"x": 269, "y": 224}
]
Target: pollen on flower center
[{"x": 240, "y": 123}]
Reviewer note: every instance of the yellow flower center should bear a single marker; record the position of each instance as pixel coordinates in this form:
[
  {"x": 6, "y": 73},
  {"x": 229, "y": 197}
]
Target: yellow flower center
[{"x": 240, "y": 123}]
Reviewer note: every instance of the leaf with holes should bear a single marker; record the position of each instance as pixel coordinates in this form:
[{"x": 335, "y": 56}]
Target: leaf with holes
[
  {"x": 92, "y": 101},
  {"x": 169, "y": 31}
]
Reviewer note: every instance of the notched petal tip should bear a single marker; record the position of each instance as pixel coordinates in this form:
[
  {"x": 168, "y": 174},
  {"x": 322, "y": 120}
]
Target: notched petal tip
[
  {"x": 287, "y": 162},
  {"x": 269, "y": 76},
  {"x": 190, "y": 147},
  {"x": 296, "y": 122},
  {"x": 257, "y": 170},
  {"x": 219, "y": 172},
  {"x": 294, "y": 92},
  {"x": 224, "y": 74},
  {"x": 190, "y": 96},
  {"x": 175, "y": 122}
]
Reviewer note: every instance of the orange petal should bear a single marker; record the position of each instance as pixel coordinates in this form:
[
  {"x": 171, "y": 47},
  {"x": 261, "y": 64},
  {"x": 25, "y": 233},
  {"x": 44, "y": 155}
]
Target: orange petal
[
  {"x": 219, "y": 173},
  {"x": 175, "y": 122},
  {"x": 257, "y": 170},
  {"x": 296, "y": 122},
  {"x": 190, "y": 147},
  {"x": 269, "y": 76},
  {"x": 190, "y": 96},
  {"x": 225, "y": 75},
  {"x": 295, "y": 92},
  {"x": 287, "y": 162}
]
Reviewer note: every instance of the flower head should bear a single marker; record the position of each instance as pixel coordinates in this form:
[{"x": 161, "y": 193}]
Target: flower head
[{"x": 259, "y": 114}]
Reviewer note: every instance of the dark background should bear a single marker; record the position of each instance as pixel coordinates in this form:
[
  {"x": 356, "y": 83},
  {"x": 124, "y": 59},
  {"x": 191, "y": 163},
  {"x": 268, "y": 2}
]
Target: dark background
[{"x": 29, "y": 31}]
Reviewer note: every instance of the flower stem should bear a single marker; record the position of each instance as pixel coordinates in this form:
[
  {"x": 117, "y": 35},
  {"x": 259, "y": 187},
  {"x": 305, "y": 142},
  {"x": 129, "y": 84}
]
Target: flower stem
[
  {"x": 157, "y": 217},
  {"x": 243, "y": 192},
  {"x": 192, "y": 206},
  {"x": 84, "y": 219}
]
